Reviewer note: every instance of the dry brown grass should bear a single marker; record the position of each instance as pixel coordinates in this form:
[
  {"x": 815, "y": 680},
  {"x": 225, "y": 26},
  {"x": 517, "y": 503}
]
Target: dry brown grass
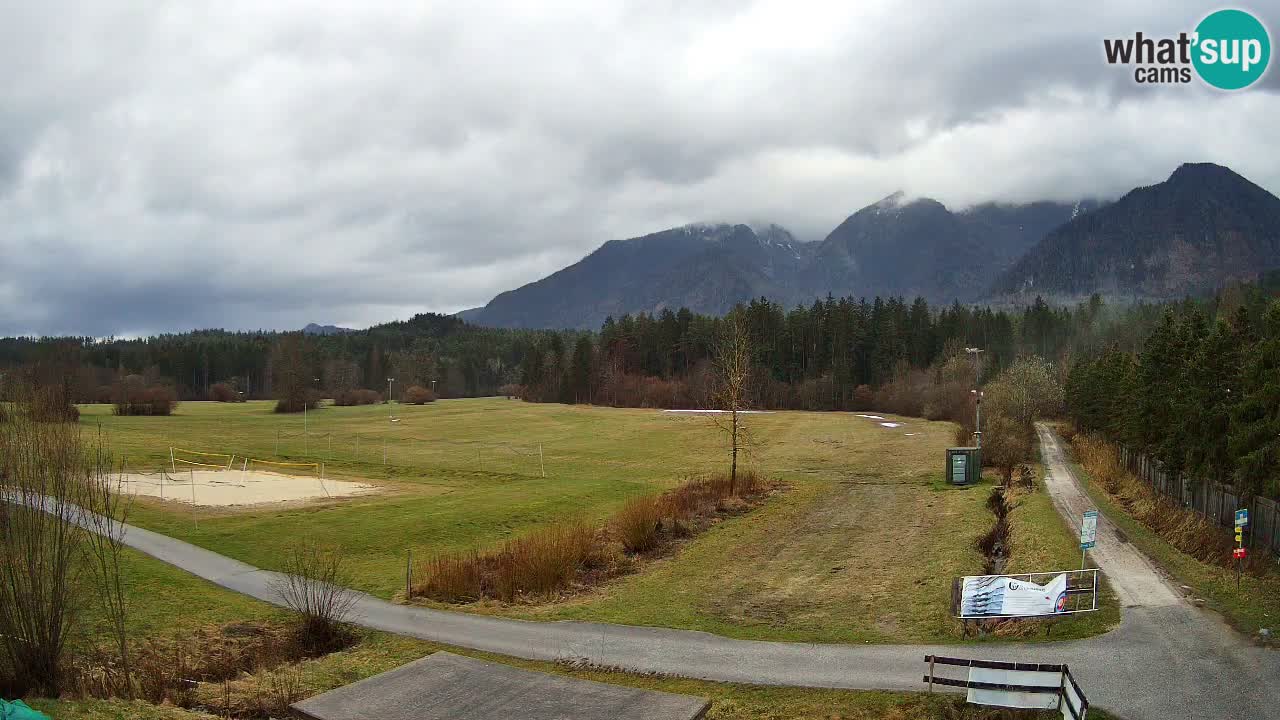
[
  {"x": 168, "y": 669},
  {"x": 537, "y": 565},
  {"x": 1187, "y": 530},
  {"x": 551, "y": 561},
  {"x": 545, "y": 561},
  {"x": 453, "y": 577},
  {"x": 639, "y": 523}
]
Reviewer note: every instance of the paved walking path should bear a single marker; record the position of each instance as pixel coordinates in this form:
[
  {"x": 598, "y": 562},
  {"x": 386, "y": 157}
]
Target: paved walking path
[{"x": 1166, "y": 660}]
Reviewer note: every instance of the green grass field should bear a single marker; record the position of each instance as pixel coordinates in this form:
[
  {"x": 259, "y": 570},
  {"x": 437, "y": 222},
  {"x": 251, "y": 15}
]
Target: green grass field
[{"x": 861, "y": 547}]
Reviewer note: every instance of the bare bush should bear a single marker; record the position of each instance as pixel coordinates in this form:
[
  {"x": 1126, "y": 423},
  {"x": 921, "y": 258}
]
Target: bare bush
[
  {"x": 453, "y": 577},
  {"x": 544, "y": 561},
  {"x": 53, "y": 480},
  {"x": 224, "y": 392},
  {"x": 132, "y": 396},
  {"x": 315, "y": 585},
  {"x": 418, "y": 395},
  {"x": 358, "y": 396},
  {"x": 639, "y": 522}
]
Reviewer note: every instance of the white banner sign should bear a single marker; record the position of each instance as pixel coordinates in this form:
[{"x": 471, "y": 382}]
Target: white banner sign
[{"x": 1001, "y": 595}]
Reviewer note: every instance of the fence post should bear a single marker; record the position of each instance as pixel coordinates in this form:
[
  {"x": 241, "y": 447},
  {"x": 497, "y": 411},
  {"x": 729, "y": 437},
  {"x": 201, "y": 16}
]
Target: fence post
[{"x": 408, "y": 575}]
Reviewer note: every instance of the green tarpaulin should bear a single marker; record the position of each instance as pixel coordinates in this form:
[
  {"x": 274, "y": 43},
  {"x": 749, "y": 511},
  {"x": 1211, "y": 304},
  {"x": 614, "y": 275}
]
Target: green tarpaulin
[{"x": 18, "y": 710}]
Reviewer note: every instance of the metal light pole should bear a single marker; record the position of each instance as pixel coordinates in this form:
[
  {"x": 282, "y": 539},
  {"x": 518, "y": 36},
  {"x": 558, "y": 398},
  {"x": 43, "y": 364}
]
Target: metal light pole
[
  {"x": 389, "y": 381},
  {"x": 305, "y": 402},
  {"x": 433, "y": 387},
  {"x": 977, "y": 393}
]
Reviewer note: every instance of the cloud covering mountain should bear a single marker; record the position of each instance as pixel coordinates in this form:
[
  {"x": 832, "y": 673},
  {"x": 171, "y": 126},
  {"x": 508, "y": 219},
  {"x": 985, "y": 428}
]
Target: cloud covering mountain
[{"x": 246, "y": 164}]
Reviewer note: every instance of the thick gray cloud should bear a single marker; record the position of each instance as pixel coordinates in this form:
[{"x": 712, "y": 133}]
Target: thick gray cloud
[{"x": 250, "y": 164}]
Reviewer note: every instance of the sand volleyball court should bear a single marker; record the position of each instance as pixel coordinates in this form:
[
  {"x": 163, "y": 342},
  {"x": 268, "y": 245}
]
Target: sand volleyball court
[{"x": 225, "y": 488}]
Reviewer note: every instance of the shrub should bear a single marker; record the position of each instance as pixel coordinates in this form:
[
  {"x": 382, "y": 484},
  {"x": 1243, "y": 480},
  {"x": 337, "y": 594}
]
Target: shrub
[
  {"x": 50, "y": 404},
  {"x": 540, "y": 563},
  {"x": 132, "y": 397},
  {"x": 314, "y": 584},
  {"x": 544, "y": 561},
  {"x": 418, "y": 395},
  {"x": 453, "y": 577},
  {"x": 224, "y": 392},
  {"x": 638, "y": 523},
  {"x": 512, "y": 390},
  {"x": 309, "y": 398},
  {"x": 863, "y": 398},
  {"x": 359, "y": 396}
]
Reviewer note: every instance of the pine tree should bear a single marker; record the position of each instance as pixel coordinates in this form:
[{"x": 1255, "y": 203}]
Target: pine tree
[{"x": 1255, "y": 431}]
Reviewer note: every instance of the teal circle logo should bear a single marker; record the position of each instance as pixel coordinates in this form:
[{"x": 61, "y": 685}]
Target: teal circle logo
[{"x": 1232, "y": 49}]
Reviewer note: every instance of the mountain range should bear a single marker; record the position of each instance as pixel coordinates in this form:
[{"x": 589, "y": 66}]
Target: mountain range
[{"x": 1201, "y": 228}]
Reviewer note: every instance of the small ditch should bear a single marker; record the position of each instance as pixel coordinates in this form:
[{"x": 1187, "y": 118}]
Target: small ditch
[{"x": 994, "y": 545}]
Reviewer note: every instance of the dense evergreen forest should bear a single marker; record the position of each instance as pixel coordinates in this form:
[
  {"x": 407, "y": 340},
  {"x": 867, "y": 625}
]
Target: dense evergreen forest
[
  {"x": 1201, "y": 394},
  {"x": 833, "y": 354}
]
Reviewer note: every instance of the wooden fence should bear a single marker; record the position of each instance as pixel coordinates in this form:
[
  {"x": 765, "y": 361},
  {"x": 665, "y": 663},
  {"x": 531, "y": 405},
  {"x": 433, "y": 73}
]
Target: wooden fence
[{"x": 1216, "y": 502}]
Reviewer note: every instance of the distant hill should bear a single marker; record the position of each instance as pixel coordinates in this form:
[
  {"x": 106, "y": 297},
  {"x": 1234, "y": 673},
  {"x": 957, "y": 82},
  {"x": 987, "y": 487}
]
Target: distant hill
[
  {"x": 1203, "y": 228},
  {"x": 705, "y": 267},
  {"x": 314, "y": 329},
  {"x": 893, "y": 247}
]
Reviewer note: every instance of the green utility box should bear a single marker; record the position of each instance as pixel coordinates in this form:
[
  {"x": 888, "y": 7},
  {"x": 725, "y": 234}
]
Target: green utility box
[{"x": 964, "y": 465}]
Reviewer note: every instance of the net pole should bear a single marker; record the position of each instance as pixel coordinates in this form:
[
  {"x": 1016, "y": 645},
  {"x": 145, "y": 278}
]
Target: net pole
[
  {"x": 357, "y": 447},
  {"x": 231, "y": 460},
  {"x": 194, "y": 520},
  {"x": 542, "y": 461},
  {"x": 330, "y": 450},
  {"x": 172, "y": 464},
  {"x": 277, "y": 453}
]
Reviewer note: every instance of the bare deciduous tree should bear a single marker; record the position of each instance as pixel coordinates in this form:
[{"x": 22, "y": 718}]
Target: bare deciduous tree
[{"x": 732, "y": 361}]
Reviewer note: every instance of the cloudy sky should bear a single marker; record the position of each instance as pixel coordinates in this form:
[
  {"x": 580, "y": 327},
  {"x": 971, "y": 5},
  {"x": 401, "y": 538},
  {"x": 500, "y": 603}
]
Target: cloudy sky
[{"x": 268, "y": 164}]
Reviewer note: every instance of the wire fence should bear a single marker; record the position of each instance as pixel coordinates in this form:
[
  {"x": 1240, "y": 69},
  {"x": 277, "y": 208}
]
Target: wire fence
[{"x": 403, "y": 450}]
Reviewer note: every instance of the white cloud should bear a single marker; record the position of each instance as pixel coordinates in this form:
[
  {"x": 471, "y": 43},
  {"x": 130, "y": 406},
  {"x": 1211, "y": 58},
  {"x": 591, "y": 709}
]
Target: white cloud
[{"x": 248, "y": 164}]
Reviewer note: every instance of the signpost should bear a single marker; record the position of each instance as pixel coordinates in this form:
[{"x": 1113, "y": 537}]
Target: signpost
[
  {"x": 1088, "y": 533},
  {"x": 1240, "y": 552}
]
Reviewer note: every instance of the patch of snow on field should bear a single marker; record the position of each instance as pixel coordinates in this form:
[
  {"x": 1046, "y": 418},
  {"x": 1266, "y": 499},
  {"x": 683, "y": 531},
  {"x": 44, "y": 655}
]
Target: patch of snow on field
[
  {"x": 891, "y": 424},
  {"x": 870, "y": 417}
]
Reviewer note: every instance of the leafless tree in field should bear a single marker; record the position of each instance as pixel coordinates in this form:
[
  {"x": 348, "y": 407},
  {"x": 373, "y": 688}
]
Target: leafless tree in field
[{"x": 732, "y": 361}]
